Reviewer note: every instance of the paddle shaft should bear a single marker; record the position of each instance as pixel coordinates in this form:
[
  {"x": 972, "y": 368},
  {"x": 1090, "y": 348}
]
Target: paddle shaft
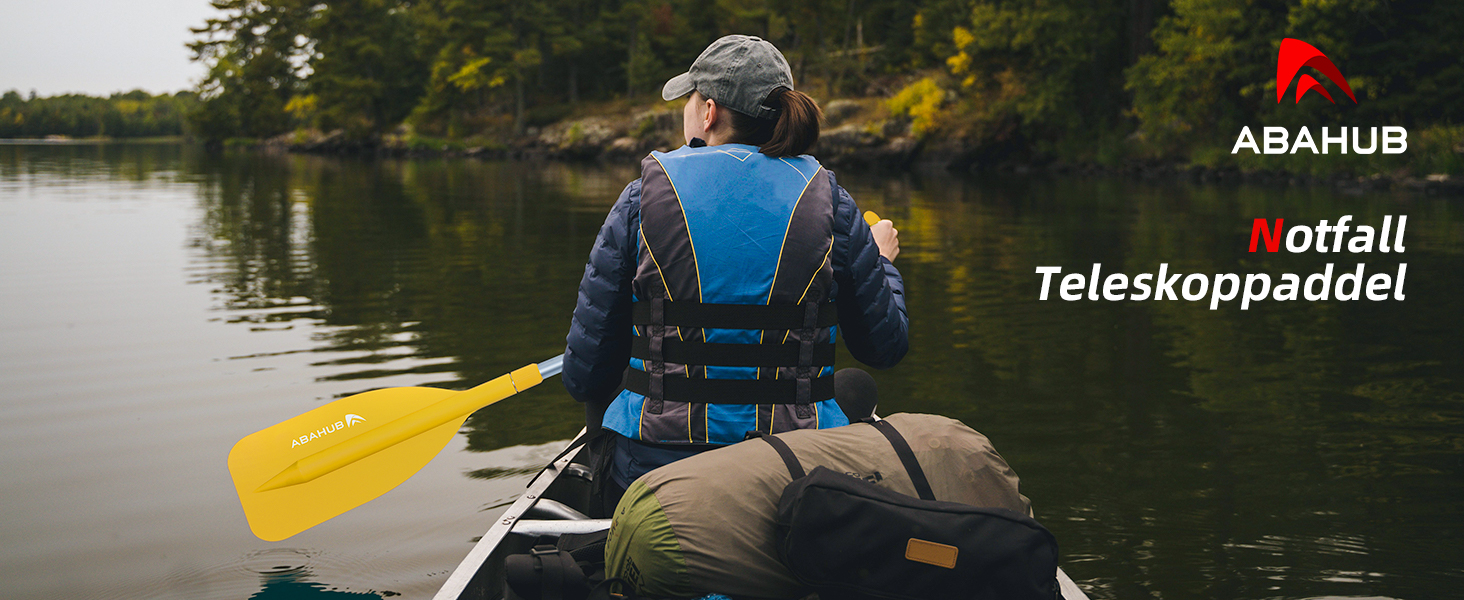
[
  {"x": 427, "y": 418},
  {"x": 412, "y": 424}
]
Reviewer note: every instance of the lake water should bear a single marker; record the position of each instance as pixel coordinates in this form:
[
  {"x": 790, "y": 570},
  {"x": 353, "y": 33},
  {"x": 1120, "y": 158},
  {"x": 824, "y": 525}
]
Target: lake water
[{"x": 160, "y": 303}]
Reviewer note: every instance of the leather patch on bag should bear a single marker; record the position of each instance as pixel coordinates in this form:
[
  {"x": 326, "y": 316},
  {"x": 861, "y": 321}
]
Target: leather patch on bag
[{"x": 931, "y": 553}]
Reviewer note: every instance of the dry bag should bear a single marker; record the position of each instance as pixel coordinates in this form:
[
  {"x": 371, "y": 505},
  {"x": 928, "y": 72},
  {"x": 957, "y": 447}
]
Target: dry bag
[{"x": 708, "y": 523}]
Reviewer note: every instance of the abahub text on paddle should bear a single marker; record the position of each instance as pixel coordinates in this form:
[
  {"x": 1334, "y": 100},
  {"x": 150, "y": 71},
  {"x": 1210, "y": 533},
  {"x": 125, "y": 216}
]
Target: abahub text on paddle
[{"x": 1267, "y": 235}]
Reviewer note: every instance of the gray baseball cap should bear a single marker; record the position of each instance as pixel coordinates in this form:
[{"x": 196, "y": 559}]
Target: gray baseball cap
[{"x": 737, "y": 71}]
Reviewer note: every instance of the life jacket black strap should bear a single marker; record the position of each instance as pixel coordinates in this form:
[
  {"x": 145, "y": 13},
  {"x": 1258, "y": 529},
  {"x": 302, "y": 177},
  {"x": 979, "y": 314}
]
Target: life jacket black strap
[
  {"x": 729, "y": 391},
  {"x": 806, "y": 371},
  {"x": 656, "y": 361},
  {"x": 734, "y": 355},
  {"x": 733, "y": 316}
]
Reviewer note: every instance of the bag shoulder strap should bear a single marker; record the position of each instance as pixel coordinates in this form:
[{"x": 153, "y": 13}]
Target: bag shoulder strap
[
  {"x": 902, "y": 449},
  {"x": 907, "y": 458},
  {"x": 789, "y": 459}
]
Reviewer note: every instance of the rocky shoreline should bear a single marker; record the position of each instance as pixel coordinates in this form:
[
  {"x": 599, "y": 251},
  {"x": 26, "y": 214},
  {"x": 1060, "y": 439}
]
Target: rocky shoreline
[
  {"x": 875, "y": 145},
  {"x": 846, "y": 142}
]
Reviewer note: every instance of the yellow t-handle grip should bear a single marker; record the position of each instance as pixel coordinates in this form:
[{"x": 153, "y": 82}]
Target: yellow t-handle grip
[{"x": 870, "y": 217}]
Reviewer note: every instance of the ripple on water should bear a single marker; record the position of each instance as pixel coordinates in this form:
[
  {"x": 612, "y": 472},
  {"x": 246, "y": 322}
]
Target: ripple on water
[
  {"x": 269, "y": 574},
  {"x": 278, "y": 561},
  {"x": 1351, "y": 598}
]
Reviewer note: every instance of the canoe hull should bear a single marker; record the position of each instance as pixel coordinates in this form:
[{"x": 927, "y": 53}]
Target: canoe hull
[{"x": 565, "y": 483}]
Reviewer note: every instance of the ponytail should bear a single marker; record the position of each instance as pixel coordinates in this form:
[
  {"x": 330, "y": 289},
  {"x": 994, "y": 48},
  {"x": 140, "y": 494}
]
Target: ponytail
[
  {"x": 791, "y": 134},
  {"x": 797, "y": 127}
]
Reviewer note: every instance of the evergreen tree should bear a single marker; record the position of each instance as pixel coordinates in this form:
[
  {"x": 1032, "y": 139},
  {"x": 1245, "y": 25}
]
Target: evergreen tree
[
  {"x": 365, "y": 72},
  {"x": 254, "y": 54}
]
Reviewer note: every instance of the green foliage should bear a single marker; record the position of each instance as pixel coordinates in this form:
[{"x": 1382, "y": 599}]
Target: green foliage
[
  {"x": 418, "y": 142},
  {"x": 1045, "y": 77},
  {"x": 470, "y": 45},
  {"x": 130, "y": 115},
  {"x": 920, "y": 102},
  {"x": 460, "y": 67},
  {"x": 1439, "y": 149},
  {"x": 365, "y": 69},
  {"x": 254, "y": 53},
  {"x": 1209, "y": 71},
  {"x": 1036, "y": 59},
  {"x": 1025, "y": 79},
  {"x": 1404, "y": 52},
  {"x": 1214, "y": 69}
]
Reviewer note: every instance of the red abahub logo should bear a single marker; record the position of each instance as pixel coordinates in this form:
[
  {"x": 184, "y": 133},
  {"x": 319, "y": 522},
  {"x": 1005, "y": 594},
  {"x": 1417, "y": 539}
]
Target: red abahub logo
[{"x": 1296, "y": 54}]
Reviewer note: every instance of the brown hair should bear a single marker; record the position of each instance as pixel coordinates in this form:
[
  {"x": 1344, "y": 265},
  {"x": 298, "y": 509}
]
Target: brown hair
[{"x": 791, "y": 134}]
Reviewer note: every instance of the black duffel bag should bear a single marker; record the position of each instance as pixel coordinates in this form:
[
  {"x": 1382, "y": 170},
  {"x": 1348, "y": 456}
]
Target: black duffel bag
[{"x": 849, "y": 539}]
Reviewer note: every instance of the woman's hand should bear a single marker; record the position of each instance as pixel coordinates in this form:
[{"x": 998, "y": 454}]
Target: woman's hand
[{"x": 887, "y": 238}]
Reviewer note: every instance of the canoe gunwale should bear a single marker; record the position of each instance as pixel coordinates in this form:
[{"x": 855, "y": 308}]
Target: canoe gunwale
[{"x": 462, "y": 577}]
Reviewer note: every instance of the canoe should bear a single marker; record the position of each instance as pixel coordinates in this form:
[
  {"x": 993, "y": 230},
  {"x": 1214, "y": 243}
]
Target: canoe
[{"x": 555, "y": 502}]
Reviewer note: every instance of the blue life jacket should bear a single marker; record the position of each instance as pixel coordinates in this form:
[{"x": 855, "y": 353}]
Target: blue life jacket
[{"x": 732, "y": 310}]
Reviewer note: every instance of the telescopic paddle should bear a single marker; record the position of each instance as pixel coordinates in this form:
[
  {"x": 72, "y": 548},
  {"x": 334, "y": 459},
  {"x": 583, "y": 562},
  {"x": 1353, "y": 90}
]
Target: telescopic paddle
[{"x": 309, "y": 469}]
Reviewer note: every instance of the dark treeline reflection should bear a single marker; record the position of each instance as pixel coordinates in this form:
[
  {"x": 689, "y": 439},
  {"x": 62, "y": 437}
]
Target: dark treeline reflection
[
  {"x": 92, "y": 161},
  {"x": 1293, "y": 450},
  {"x": 297, "y": 585},
  {"x": 1284, "y": 451},
  {"x": 473, "y": 264}
]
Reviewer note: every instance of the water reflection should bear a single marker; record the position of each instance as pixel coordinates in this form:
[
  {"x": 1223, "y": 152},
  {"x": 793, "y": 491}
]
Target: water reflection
[
  {"x": 1182, "y": 427},
  {"x": 296, "y": 585},
  {"x": 461, "y": 270},
  {"x": 286, "y": 573},
  {"x": 1286, "y": 451}
]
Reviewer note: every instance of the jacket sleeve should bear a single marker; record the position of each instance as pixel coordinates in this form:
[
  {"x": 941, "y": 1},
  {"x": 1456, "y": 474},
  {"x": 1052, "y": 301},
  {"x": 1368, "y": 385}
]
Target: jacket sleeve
[
  {"x": 597, "y": 349},
  {"x": 871, "y": 293}
]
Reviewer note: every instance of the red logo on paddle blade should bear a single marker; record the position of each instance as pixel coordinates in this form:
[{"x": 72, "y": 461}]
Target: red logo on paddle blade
[{"x": 1296, "y": 54}]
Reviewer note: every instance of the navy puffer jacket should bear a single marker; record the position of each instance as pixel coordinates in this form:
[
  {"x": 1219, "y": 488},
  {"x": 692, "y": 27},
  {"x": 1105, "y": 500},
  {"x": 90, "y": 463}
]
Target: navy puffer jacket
[{"x": 867, "y": 287}]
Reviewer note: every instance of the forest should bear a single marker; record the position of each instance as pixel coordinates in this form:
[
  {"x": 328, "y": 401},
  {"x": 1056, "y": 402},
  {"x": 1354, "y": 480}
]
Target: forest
[
  {"x": 1094, "y": 81},
  {"x": 1073, "y": 80},
  {"x": 135, "y": 114}
]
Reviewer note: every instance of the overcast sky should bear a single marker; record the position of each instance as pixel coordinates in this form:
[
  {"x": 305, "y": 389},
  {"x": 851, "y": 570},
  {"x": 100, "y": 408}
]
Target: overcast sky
[{"x": 98, "y": 46}]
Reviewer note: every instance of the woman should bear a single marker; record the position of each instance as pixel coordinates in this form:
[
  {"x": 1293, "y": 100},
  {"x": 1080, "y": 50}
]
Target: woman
[{"x": 721, "y": 277}]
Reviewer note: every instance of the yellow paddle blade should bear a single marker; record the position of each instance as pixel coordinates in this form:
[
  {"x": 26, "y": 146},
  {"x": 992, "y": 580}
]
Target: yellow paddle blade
[
  {"x": 870, "y": 217},
  {"x": 304, "y": 471}
]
